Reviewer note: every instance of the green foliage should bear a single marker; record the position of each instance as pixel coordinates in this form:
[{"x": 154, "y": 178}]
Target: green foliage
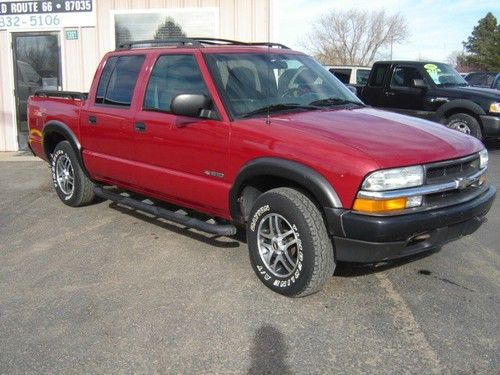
[
  {"x": 483, "y": 45},
  {"x": 169, "y": 29}
]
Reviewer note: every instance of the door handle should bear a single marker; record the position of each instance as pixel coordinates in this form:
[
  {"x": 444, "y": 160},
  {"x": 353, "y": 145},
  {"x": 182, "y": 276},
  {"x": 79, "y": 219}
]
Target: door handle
[
  {"x": 92, "y": 120},
  {"x": 389, "y": 93},
  {"x": 140, "y": 127}
]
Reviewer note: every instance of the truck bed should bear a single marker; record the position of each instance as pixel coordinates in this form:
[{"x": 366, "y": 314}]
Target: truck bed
[{"x": 48, "y": 105}]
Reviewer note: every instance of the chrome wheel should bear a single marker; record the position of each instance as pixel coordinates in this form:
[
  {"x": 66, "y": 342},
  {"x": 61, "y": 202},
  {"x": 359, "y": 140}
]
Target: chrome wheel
[
  {"x": 278, "y": 245},
  {"x": 461, "y": 126},
  {"x": 65, "y": 175}
]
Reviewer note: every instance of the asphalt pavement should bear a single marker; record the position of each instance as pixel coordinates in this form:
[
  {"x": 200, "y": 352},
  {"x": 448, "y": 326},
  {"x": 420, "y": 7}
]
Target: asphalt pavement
[{"x": 104, "y": 289}]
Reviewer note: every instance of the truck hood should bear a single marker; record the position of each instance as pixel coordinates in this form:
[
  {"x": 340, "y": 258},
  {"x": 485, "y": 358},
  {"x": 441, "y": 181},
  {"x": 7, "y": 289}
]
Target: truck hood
[
  {"x": 390, "y": 139},
  {"x": 469, "y": 92}
]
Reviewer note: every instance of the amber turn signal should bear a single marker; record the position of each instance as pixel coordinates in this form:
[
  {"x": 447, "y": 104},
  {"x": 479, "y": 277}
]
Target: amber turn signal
[{"x": 375, "y": 205}]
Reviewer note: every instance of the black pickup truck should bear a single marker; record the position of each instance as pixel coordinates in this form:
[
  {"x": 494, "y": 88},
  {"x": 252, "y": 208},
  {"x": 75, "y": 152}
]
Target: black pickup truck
[{"x": 433, "y": 91}]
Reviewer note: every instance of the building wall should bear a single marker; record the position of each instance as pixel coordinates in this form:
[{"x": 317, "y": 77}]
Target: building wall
[{"x": 246, "y": 20}]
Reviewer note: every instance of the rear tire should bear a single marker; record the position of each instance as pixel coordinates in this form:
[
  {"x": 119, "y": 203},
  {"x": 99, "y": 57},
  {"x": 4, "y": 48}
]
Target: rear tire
[
  {"x": 465, "y": 123},
  {"x": 290, "y": 250},
  {"x": 72, "y": 185}
]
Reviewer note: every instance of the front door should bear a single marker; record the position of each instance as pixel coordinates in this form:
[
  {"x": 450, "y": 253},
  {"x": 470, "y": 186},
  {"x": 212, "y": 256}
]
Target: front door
[
  {"x": 183, "y": 158},
  {"x": 37, "y": 66},
  {"x": 402, "y": 95}
]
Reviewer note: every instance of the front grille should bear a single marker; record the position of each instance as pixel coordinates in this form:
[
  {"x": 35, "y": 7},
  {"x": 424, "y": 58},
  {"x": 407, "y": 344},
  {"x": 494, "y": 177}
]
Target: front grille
[{"x": 451, "y": 170}]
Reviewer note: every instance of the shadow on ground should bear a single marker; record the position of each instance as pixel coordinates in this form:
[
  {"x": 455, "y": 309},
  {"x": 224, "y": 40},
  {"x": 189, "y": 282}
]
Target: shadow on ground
[{"x": 268, "y": 352}]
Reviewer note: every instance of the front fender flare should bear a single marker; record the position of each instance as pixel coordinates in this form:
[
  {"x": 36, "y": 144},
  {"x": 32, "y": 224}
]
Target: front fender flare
[
  {"x": 300, "y": 174},
  {"x": 457, "y": 103}
]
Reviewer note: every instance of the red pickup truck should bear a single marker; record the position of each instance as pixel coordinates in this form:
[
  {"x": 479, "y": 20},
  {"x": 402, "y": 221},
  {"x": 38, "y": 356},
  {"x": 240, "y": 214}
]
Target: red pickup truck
[{"x": 261, "y": 136}]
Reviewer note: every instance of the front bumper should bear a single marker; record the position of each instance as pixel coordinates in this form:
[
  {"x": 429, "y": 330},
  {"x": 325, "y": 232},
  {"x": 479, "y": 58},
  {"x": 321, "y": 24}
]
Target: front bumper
[
  {"x": 491, "y": 125},
  {"x": 369, "y": 239}
]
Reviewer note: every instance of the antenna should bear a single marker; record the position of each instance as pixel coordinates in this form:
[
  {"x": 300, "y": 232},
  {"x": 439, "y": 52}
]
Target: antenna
[{"x": 268, "y": 118}]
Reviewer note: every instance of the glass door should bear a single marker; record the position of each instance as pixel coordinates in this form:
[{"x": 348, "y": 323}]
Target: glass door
[{"x": 37, "y": 66}]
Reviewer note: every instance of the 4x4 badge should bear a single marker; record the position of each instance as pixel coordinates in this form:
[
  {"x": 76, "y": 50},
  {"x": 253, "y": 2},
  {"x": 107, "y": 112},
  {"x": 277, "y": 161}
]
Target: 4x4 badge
[{"x": 214, "y": 174}]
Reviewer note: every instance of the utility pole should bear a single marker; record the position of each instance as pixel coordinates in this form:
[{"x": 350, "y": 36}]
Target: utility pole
[{"x": 391, "y": 46}]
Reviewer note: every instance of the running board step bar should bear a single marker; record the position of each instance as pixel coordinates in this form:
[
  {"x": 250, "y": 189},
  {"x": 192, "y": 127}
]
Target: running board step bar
[{"x": 189, "y": 222}]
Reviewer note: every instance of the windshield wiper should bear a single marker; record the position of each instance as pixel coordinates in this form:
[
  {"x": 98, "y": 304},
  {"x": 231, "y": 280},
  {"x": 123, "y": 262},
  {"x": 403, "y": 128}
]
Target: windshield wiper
[
  {"x": 334, "y": 101},
  {"x": 279, "y": 107}
]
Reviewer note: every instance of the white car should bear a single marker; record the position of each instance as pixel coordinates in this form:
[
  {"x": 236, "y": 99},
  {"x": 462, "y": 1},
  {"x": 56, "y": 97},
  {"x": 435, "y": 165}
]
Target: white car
[{"x": 350, "y": 74}]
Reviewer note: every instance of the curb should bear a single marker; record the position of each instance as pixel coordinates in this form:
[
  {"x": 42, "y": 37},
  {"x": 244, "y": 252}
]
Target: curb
[{"x": 18, "y": 156}]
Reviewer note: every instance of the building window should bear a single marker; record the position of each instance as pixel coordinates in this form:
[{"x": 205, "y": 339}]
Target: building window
[{"x": 165, "y": 23}]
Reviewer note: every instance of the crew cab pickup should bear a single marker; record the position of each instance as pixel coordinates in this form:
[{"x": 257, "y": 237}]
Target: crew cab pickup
[
  {"x": 433, "y": 91},
  {"x": 259, "y": 136}
]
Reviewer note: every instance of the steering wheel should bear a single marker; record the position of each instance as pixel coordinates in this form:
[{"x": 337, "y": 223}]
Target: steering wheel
[{"x": 294, "y": 92}]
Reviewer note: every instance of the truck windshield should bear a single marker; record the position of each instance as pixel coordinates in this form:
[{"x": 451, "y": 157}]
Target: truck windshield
[
  {"x": 443, "y": 75},
  {"x": 252, "y": 83}
]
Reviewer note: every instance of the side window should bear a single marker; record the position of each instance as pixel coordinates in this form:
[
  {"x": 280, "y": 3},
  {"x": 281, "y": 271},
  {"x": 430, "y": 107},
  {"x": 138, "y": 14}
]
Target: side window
[
  {"x": 118, "y": 80},
  {"x": 173, "y": 75},
  {"x": 377, "y": 76},
  {"x": 403, "y": 76},
  {"x": 103, "y": 82},
  {"x": 343, "y": 75},
  {"x": 362, "y": 76}
]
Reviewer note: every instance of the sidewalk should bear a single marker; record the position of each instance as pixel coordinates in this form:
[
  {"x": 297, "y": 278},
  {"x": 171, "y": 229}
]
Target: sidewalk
[{"x": 18, "y": 156}]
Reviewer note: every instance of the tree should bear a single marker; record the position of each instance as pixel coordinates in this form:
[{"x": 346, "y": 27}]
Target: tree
[
  {"x": 354, "y": 37},
  {"x": 122, "y": 34},
  {"x": 169, "y": 29},
  {"x": 483, "y": 45},
  {"x": 453, "y": 57}
]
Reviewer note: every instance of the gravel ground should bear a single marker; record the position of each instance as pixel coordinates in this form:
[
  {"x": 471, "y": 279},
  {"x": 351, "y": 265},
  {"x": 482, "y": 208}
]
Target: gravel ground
[{"x": 104, "y": 289}]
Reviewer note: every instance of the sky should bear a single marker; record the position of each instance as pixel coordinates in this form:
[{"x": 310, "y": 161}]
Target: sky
[{"x": 436, "y": 27}]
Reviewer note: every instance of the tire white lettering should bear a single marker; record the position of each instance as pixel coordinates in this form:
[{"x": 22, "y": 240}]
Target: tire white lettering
[{"x": 258, "y": 214}]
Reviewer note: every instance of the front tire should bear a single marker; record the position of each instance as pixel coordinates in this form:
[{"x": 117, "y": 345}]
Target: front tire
[
  {"x": 290, "y": 250},
  {"x": 464, "y": 123},
  {"x": 71, "y": 183}
]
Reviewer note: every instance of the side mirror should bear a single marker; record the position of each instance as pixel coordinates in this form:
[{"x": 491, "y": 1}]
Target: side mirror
[
  {"x": 419, "y": 84},
  {"x": 352, "y": 89},
  {"x": 192, "y": 105}
]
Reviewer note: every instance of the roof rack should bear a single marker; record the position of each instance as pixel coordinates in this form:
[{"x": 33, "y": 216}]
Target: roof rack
[
  {"x": 178, "y": 42},
  {"x": 193, "y": 42}
]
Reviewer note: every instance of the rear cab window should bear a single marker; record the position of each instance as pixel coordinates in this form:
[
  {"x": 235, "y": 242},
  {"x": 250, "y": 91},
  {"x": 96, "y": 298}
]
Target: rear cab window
[{"x": 118, "y": 80}]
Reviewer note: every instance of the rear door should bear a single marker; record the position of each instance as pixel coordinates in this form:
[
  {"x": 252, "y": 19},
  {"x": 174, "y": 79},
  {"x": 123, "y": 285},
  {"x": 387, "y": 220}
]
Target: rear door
[
  {"x": 106, "y": 123},
  {"x": 183, "y": 159},
  {"x": 372, "y": 92}
]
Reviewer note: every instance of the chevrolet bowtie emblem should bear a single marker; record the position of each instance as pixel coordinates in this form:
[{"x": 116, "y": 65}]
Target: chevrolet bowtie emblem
[{"x": 463, "y": 183}]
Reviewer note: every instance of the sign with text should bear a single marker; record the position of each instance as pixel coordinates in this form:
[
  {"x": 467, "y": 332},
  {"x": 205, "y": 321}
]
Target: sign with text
[{"x": 46, "y": 14}]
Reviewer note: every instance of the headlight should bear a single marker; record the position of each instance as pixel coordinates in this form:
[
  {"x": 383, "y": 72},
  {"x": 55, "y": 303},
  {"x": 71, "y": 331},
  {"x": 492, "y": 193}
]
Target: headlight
[
  {"x": 483, "y": 159},
  {"x": 391, "y": 179},
  {"x": 495, "y": 107}
]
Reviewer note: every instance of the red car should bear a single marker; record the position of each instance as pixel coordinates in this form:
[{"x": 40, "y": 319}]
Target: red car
[{"x": 261, "y": 136}]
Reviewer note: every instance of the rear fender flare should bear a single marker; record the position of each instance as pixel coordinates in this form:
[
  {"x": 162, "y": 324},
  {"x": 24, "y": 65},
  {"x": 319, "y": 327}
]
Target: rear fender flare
[{"x": 65, "y": 131}]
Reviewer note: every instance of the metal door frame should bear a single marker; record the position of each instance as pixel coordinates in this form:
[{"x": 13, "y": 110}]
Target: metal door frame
[{"x": 13, "y": 41}]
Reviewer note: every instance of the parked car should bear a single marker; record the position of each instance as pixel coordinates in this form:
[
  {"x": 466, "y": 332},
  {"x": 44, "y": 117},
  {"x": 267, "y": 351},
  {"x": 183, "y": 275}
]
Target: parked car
[
  {"x": 349, "y": 74},
  {"x": 433, "y": 91},
  {"x": 488, "y": 80},
  {"x": 28, "y": 81},
  {"x": 314, "y": 175}
]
